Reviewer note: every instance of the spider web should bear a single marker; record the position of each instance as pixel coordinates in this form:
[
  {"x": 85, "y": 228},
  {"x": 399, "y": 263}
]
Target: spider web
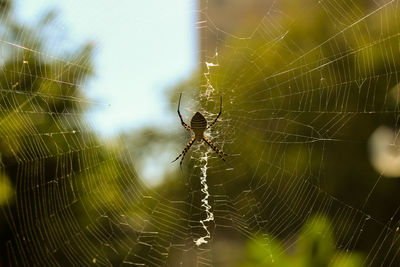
[{"x": 304, "y": 87}]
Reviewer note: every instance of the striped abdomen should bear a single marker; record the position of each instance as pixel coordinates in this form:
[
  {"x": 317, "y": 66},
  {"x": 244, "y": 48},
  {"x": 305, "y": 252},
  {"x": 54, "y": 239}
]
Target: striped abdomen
[{"x": 198, "y": 125}]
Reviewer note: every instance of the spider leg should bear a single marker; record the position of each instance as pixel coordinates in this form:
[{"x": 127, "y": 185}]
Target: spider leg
[
  {"x": 184, "y": 152},
  {"x": 215, "y": 148},
  {"x": 187, "y": 127},
  {"x": 215, "y": 120}
]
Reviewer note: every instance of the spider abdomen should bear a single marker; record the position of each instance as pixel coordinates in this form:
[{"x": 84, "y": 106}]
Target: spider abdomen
[{"x": 198, "y": 124}]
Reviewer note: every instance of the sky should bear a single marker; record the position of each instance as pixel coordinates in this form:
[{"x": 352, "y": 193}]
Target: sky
[{"x": 142, "y": 48}]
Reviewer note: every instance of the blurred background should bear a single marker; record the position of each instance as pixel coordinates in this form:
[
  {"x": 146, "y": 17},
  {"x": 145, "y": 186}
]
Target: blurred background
[{"x": 310, "y": 95}]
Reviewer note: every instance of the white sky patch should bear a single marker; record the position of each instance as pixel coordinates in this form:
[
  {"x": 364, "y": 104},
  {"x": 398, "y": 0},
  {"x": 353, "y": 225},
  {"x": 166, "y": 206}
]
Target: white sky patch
[
  {"x": 384, "y": 151},
  {"x": 141, "y": 50}
]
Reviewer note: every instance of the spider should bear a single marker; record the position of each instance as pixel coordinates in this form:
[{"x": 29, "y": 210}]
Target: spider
[{"x": 198, "y": 125}]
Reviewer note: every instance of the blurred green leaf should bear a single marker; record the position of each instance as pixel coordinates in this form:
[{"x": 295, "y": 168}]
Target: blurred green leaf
[{"x": 314, "y": 246}]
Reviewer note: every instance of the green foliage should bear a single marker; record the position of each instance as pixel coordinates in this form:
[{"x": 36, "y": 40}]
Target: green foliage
[
  {"x": 6, "y": 190},
  {"x": 301, "y": 99},
  {"x": 50, "y": 159},
  {"x": 314, "y": 247}
]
